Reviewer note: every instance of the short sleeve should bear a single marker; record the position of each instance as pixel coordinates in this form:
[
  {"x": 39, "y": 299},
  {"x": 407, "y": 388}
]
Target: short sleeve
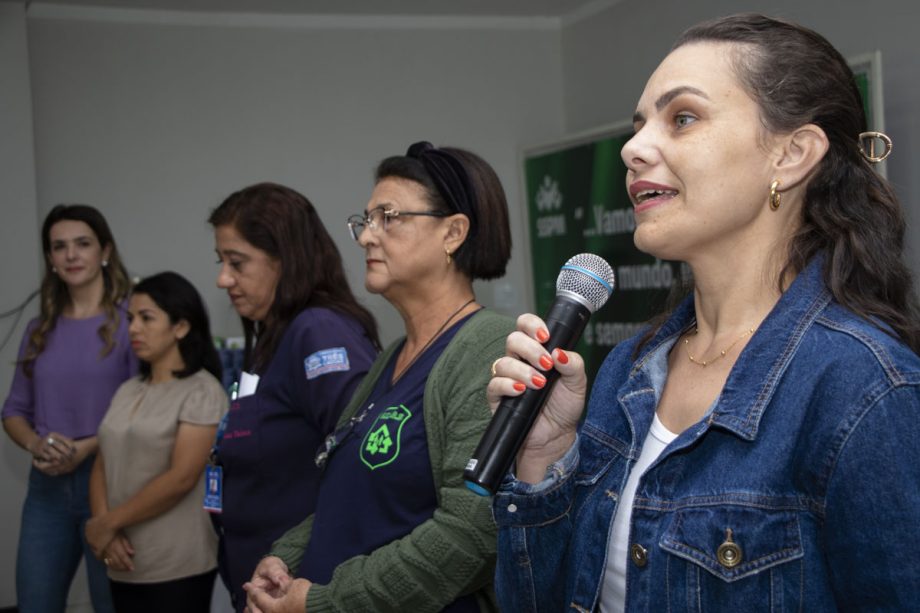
[
  {"x": 21, "y": 400},
  {"x": 206, "y": 401},
  {"x": 330, "y": 357}
]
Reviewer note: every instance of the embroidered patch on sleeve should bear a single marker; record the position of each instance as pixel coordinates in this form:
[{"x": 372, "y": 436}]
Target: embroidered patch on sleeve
[{"x": 326, "y": 361}]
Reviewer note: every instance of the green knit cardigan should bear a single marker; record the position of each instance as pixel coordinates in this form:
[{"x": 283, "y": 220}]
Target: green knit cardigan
[{"x": 453, "y": 553}]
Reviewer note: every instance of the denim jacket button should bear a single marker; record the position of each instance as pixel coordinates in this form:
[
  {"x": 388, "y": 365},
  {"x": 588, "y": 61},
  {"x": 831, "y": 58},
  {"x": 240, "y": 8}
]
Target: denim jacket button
[
  {"x": 512, "y": 508},
  {"x": 639, "y": 555},
  {"x": 729, "y": 553}
]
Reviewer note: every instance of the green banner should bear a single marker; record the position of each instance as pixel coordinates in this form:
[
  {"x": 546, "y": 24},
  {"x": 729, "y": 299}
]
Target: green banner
[{"x": 577, "y": 203}]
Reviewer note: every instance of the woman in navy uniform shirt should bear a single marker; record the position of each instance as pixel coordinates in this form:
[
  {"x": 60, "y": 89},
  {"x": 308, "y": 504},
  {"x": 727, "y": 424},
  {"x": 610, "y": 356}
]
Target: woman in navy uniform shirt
[
  {"x": 308, "y": 344},
  {"x": 395, "y": 528}
]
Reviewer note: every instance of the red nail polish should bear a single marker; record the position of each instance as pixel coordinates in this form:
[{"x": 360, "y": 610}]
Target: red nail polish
[
  {"x": 542, "y": 335},
  {"x": 520, "y": 387},
  {"x": 562, "y": 357},
  {"x": 538, "y": 380},
  {"x": 546, "y": 362}
]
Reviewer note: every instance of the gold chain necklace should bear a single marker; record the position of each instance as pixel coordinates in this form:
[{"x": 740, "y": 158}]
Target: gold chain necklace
[{"x": 718, "y": 357}]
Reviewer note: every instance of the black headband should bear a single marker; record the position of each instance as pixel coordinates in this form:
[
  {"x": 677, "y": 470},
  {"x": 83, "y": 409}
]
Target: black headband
[{"x": 449, "y": 176}]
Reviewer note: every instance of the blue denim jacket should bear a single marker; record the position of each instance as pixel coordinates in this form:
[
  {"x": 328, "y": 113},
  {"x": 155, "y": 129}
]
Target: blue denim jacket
[{"x": 810, "y": 457}]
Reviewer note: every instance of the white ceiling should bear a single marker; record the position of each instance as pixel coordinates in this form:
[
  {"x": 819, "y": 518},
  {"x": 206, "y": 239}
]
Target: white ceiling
[{"x": 467, "y": 8}]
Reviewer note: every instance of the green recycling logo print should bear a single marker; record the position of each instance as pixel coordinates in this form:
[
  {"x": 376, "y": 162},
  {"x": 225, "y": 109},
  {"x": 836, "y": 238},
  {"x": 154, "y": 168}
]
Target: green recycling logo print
[{"x": 381, "y": 443}]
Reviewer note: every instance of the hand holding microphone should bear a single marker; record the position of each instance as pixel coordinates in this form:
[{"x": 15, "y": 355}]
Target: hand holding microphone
[
  {"x": 553, "y": 430},
  {"x": 525, "y": 378}
]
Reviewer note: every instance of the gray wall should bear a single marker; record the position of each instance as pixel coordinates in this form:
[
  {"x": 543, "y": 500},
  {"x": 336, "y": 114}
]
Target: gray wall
[
  {"x": 608, "y": 58},
  {"x": 20, "y": 261},
  {"x": 155, "y": 123}
]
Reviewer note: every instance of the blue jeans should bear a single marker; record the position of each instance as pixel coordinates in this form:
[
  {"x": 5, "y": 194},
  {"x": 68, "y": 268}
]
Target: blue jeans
[{"x": 52, "y": 541}]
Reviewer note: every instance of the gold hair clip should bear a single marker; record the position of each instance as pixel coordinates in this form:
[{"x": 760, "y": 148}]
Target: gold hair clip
[{"x": 867, "y": 146}]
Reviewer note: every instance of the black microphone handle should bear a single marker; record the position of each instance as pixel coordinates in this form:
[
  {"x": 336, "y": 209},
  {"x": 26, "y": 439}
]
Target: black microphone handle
[{"x": 516, "y": 415}]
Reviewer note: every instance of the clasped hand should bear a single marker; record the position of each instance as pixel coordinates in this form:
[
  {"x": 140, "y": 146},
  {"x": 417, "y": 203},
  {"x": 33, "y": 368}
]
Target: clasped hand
[
  {"x": 55, "y": 454},
  {"x": 109, "y": 544},
  {"x": 525, "y": 362},
  {"x": 273, "y": 590}
]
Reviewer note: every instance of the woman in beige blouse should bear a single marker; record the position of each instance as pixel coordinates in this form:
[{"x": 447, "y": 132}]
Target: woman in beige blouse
[{"x": 148, "y": 524}]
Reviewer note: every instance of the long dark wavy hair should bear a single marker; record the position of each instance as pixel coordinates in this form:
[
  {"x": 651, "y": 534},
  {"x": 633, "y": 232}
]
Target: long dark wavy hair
[
  {"x": 284, "y": 224},
  {"x": 850, "y": 212},
  {"x": 179, "y": 299},
  {"x": 54, "y": 293}
]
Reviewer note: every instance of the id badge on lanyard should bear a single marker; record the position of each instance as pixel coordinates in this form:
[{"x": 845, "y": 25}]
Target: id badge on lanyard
[
  {"x": 214, "y": 488},
  {"x": 214, "y": 473}
]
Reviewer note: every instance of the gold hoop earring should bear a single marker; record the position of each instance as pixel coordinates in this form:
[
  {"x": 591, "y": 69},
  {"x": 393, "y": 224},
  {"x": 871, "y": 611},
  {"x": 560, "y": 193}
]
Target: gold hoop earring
[
  {"x": 447, "y": 251},
  {"x": 775, "y": 196}
]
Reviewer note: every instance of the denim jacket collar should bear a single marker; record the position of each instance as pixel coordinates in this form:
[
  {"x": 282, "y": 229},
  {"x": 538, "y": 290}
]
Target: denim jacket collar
[{"x": 755, "y": 375}]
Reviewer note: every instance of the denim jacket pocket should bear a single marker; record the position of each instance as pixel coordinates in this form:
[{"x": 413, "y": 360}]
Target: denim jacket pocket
[
  {"x": 597, "y": 454},
  {"x": 731, "y": 555}
]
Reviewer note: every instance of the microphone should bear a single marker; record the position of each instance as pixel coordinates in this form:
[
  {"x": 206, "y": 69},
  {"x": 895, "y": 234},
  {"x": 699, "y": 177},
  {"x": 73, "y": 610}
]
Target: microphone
[{"x": 584, "y": 284}]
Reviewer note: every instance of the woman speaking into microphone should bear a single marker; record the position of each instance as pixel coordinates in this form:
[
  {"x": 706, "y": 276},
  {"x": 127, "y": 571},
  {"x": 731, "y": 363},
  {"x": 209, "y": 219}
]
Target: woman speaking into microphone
[{"x": 756, "y": 448}]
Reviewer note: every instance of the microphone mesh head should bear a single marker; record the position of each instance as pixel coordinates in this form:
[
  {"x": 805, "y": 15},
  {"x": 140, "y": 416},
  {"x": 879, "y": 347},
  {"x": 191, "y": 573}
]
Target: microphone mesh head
[{"x": 587, "y": 276}]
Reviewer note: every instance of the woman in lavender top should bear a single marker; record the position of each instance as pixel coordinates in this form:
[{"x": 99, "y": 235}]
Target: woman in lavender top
[{"x": 72, "y": 358}]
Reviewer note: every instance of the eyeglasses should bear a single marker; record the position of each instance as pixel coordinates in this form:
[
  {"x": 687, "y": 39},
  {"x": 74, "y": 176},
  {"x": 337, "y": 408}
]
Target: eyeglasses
[{"x": 380, "y": 217}]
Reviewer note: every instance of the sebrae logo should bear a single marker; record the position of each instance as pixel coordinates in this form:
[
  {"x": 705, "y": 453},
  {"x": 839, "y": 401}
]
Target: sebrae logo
[
  {"x": 548, "y": 197},
  {"x": 550, "y": 220}
]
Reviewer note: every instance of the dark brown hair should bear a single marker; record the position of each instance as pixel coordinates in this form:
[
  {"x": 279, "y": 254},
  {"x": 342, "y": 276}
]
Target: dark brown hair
[
  {"x": 850, "y": 213},
  {"x": 487, "y": 248},
  {"x": 54, "y": 293},
  {"x": 179, "y": 299},
  {"x": 284, "y": 224}
]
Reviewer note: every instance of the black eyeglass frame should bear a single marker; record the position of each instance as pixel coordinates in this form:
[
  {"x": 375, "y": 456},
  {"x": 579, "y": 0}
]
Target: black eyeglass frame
[{"x": 356, "y": 223}]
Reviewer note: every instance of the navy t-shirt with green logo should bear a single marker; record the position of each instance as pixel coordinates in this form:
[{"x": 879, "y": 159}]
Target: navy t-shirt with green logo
[{"x": 378, "y": 485}]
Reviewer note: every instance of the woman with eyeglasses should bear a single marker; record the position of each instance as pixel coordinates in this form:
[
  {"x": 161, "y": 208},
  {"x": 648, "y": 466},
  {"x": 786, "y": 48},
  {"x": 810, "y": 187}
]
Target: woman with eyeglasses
[
  {"x": 308, "y": 345},
  {"x": 395, "y": 529}
]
